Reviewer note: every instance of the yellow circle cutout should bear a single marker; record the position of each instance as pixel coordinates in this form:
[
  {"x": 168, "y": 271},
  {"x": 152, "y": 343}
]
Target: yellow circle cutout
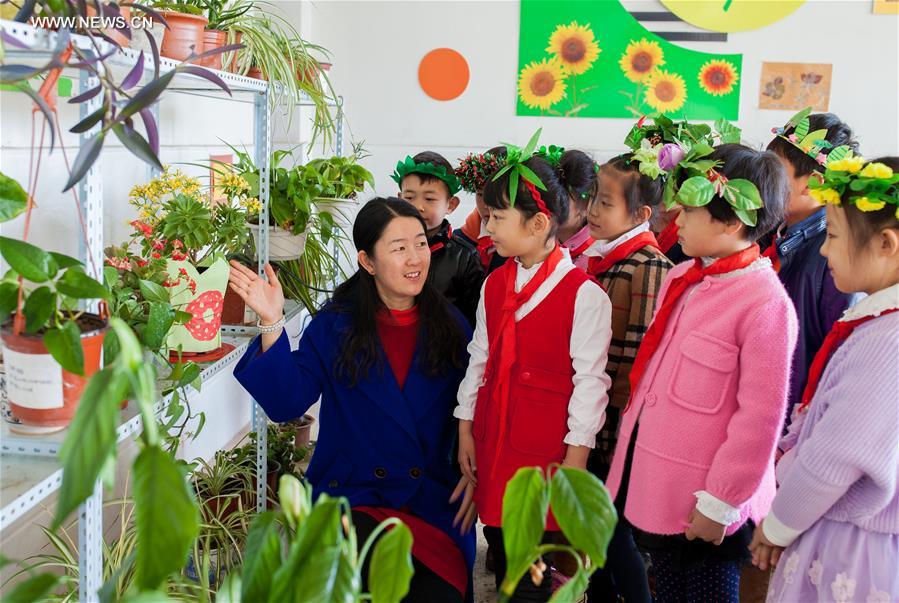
[{"x": 732, "y": 15}]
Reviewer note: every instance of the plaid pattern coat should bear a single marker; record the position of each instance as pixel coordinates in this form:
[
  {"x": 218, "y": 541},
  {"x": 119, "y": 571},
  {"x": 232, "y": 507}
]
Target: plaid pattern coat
[{"x": 632, "y": 285}]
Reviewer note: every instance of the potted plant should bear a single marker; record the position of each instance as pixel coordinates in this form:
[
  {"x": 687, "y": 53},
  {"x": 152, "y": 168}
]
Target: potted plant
[
  {"x": 186, "y": 24},
  {"x": 222, "y": 15},
  {"x": 302, "y": 432},
  {"x": 179, "y": 223},
  {"x": 341, "y": 179},
  {"x": 50, "y": 346}
]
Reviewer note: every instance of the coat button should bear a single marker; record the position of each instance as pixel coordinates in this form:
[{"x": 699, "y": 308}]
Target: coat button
[
  {"x": 525, "y": 376},
  {"x": 333, "y": 483},
  {"x": 651, "y": 399},
  {"x": 415, "y": 473},
  {"x": 380, "y": 473}
]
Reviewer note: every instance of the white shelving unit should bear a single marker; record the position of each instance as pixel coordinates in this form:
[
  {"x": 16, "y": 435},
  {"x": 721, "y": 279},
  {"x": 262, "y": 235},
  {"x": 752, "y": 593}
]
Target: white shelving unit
[{"x": 30, "y": 468}]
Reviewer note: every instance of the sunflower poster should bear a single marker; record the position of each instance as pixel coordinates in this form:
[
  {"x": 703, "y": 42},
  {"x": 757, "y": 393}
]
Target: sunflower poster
[{"x": 593, "y": 59}]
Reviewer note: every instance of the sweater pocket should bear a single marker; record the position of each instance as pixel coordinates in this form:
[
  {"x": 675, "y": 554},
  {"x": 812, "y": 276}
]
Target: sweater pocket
[{"x": 704, "y": 372}]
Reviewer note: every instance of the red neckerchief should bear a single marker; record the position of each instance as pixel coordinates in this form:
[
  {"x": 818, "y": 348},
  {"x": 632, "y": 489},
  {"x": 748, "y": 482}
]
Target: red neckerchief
[
  {"x": 443, "y": 239},
  {"x": 838, "y": 333},
  {"x": 696, "y": 273},
  {"x": 771, "y": 254},
  {"x": 580, "y": 249},
  {"x": 486, "y": 251},
  {"x": 502, "y": 348},
  {"x": 597, "y": 266},
  {"x": 668, "y": 237}
]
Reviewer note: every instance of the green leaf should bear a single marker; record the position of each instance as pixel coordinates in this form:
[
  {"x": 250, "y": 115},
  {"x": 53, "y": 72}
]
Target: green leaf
[
  {"x": 728, "y": 132},
  {"x": 35, "y": 588},
  {"x": 167, "y": 517},
  {"x": 229, "y": 591},
  {"x": 262, "y": 558},
  {"x": 668, "y": 197},
  {"x": 76, "y": 283},
  {"x": 159, "y": 322},
  {"x": 33, "y": 263},
  {"x": 531, "y": 145},
  {"x": 583, "y": 509},
  {"x": 65, "y": 261},
  {"x": 747, "y": 194},
  {"x": 154, "y": 292},
  {"x": 634, "y": 137},
  {"x": 696, "y": 192},
  {"x": 39, "y": 306},
  {"x": 315, "y": 543},
  {"x": 530, "y": 176},
  {"x": 347, "y": 583},
  {"x": 391, "y": 566},
  {"x": 182, "y": 317},
  {"x": 747, "y": 216},
  {"x": 90, "y": 121},
  {"x": 798, "y": 118},
  {"x": 701, "y": 149},
  {"x": 702, "y": 165},
  {"x": 90, "y": 440},
  {"x": 9, "y": 299},
  {"x": 64, "y": 344},
  {"x": 513, "y": 187},
  {"x": 13, "y": 198},
  {"x": 525, "y": 505},
  {"x": 572, "y": 590},
  {"x": 841, "y": 152}
]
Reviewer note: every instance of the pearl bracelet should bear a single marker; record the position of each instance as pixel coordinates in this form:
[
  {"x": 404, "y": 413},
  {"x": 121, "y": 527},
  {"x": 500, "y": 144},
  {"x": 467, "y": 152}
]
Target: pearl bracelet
[{"x": 270, "y": 328}]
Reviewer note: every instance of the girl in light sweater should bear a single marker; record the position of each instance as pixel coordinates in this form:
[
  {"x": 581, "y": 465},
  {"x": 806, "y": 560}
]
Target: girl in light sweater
[
  {"x": 694, "y": 462},
  {"x": 837, "y": 509}
]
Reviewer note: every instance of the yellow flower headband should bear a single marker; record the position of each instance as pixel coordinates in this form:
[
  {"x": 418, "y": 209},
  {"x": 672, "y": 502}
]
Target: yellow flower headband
[{"x": 870, "y": 186}]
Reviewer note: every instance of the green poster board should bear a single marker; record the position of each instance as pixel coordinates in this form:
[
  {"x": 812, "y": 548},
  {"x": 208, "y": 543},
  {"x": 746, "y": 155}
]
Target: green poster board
[{"x": 581, "y": 58}]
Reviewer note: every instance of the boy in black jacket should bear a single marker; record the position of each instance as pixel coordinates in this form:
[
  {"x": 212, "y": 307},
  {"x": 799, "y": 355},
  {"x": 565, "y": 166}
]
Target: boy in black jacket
[{"x": 428, "y": 182}]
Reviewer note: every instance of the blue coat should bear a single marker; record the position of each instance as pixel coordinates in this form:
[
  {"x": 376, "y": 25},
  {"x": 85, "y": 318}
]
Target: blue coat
[{"x": 377, "y": 445}]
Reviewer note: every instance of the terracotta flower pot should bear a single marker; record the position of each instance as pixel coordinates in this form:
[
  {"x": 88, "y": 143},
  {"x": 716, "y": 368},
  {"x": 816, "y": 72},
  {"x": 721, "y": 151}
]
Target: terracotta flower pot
[
  {"x": 185, "y": 35},
  {"x": 42, "y": 395},
  {"x": 255, "y": 73},
  {"x": 116, "y": 35},
  {"x": 216, "y": 38},
  {"x": 234, "y": 310},
  {"x": 304, "y": 431}
]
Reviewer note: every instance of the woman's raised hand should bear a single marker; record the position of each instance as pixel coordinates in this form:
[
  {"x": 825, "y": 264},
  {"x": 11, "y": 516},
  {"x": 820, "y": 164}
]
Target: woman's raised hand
[{"x": 266, "y": 299}]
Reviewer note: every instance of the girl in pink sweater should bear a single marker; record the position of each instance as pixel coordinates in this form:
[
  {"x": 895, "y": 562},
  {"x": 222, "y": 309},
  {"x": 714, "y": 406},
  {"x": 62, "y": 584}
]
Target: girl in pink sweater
[{"x": 694, "y": 462}]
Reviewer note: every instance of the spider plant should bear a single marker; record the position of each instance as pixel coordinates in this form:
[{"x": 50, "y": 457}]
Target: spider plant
[
  {"x": 314, "y": 273},
  {"x": 275, "y": 47}
]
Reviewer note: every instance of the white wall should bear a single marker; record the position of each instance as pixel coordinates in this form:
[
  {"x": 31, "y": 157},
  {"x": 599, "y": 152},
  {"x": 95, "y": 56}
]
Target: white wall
[{"x": 377, "y": 47}]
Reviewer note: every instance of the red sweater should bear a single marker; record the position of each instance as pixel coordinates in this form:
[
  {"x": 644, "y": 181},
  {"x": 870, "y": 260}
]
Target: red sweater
[{"x": 398, "y": 331}]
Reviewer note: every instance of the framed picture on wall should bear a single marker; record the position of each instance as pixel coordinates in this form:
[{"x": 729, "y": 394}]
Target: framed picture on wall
[{"x": 793, "y": 86}]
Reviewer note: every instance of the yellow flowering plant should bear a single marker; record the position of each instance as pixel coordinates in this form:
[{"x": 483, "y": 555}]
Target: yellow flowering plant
[
  {"x": 177, "y": 218},
  {"x": 870, "y": 186}
]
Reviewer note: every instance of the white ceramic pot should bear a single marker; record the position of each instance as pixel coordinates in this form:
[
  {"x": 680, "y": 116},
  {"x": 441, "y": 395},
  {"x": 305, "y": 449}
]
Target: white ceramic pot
[
  {"x": 282, "y": 244},
  {"x": 342, "y": 210}
]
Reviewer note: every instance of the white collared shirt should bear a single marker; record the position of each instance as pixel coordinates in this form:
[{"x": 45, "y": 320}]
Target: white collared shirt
[
  {"x": 603, "y": 247},
  {"x": 589, "y": 348}
]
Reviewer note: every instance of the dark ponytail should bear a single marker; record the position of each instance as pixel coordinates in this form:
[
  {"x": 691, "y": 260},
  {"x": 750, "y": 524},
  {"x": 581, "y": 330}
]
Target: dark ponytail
[
  {"x": 442, "y": 341},
  {"x": 577, "y": 173}
]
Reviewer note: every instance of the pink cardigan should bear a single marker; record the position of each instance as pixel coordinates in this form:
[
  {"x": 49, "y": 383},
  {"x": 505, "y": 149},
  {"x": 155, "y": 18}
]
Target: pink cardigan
[{"x": 711, "y": 403}]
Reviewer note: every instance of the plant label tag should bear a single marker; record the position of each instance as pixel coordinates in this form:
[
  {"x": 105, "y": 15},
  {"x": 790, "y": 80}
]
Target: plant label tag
[{"x": 33, "y": 380}]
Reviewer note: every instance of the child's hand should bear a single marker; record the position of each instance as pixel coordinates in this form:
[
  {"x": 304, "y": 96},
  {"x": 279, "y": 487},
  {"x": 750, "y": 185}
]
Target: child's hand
[
  {"x": 468, "y": 512},
  {"x": 764, "y": 552},
  {"x": 466, "y": 453},
  {"x": 704, "y": 528}
]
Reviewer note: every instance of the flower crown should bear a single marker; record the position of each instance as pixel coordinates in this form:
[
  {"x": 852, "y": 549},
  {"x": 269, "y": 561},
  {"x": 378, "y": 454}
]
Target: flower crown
[
  {"x": 868, "y": 186},
  {"x": 409, "y": 166},
  {"x": 476, "y": 168},
  {"x": 814, "y": 144},
  {"x": 665, "y": 147},
  {"x": 702, "y": 187}
]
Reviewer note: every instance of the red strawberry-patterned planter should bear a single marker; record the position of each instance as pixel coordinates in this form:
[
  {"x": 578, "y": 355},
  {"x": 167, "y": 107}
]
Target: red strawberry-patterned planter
[{"x": 202, "y": 296}]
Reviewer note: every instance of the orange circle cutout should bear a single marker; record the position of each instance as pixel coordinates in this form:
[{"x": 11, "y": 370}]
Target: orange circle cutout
[{"x": 443, "y": 74}]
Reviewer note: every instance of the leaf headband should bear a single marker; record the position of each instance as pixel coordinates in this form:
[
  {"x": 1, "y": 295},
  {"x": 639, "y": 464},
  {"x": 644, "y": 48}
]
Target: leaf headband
[
  {"x": 870, "y": 187},
  {"x": 814, "y": 144},
  {"x": 664, "y": 148},
  {"x": 515, "y": 158},
  {"x": 408, "y": 166}
]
